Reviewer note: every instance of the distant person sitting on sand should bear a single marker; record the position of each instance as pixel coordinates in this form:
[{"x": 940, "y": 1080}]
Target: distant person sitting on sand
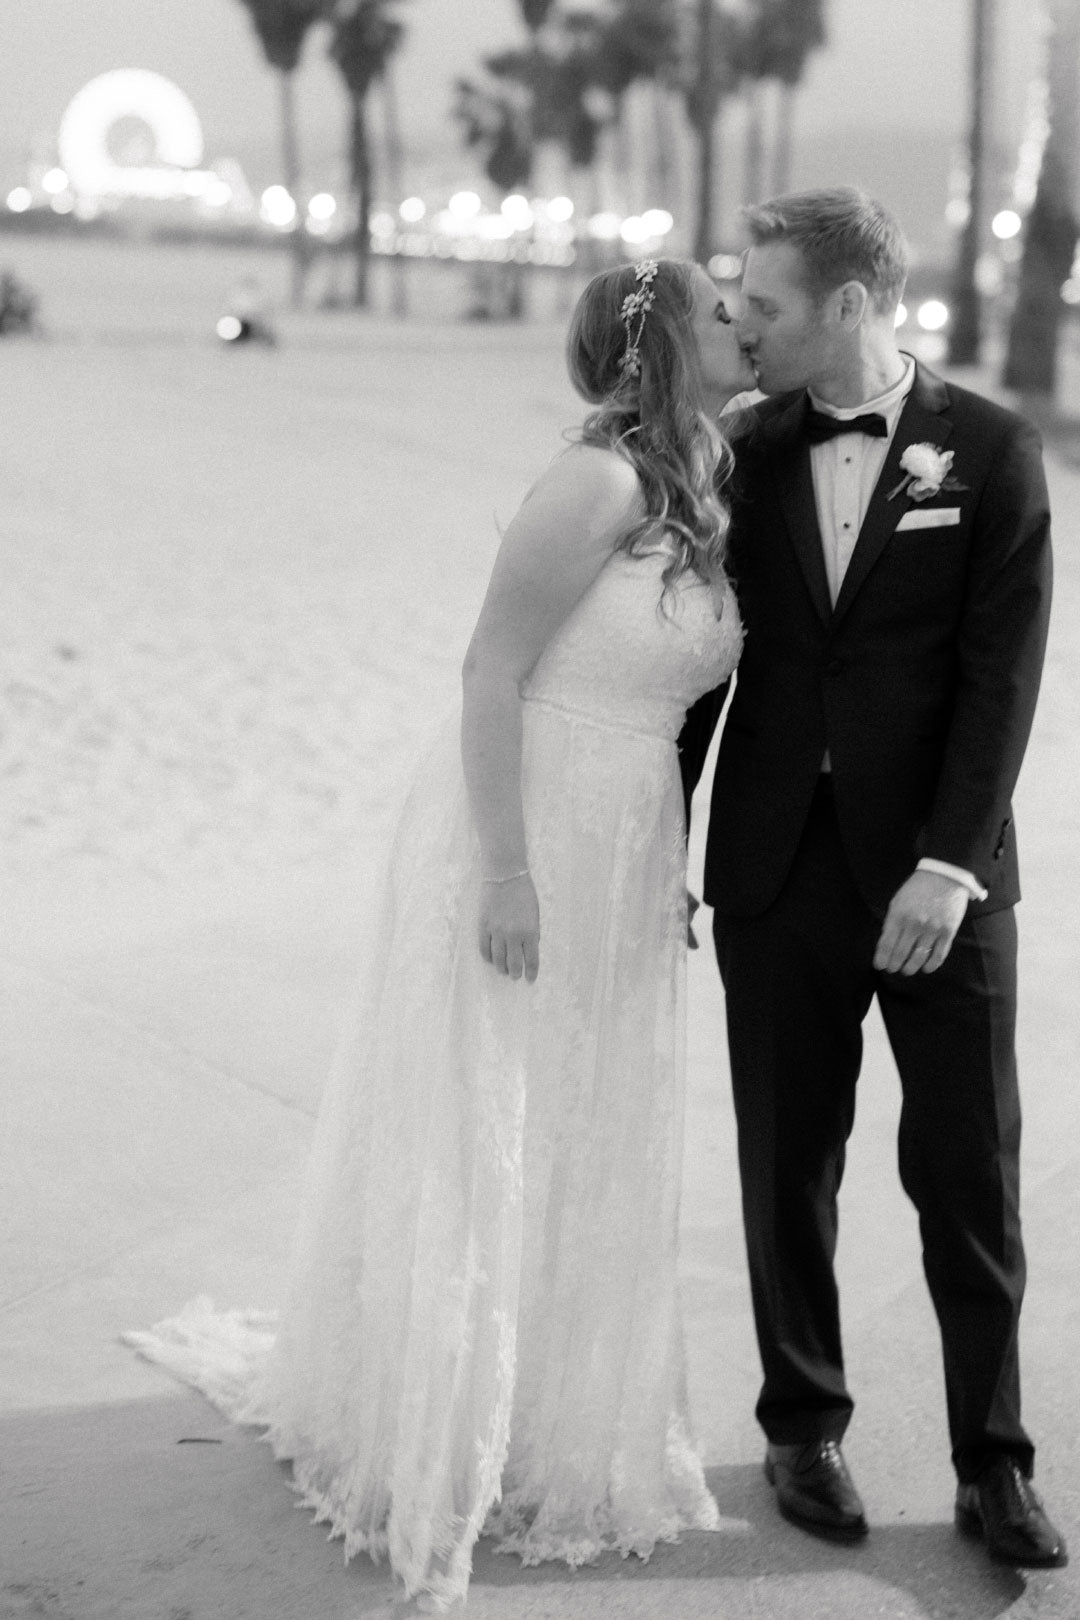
[
  {"x": 18, "y": 305},
  {"x": 245, "y": 320}
]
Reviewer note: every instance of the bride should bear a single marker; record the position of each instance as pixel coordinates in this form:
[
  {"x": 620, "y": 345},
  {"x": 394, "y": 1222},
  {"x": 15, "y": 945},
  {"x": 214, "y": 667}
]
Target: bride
[{"x": 481, "y": 1332}]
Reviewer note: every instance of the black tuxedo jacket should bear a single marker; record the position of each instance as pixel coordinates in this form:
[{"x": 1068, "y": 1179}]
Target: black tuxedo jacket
[{"x": 920, "y": 683}]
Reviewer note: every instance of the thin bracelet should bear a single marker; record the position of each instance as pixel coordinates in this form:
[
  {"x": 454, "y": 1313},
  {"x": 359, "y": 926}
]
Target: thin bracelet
[{"x": 510, "y": 879}]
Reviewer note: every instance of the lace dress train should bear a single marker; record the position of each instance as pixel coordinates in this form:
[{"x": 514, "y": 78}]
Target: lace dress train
[{"x": 481, "y": 1332}]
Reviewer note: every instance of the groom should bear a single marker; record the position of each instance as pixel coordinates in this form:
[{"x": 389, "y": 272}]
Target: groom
[{"x": 890, "y": 545}]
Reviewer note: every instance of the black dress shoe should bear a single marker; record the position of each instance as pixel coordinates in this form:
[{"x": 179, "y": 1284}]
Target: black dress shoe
[
  {"x": 815, "y": 1491},
  {"x": 1003, "y": 1508}
]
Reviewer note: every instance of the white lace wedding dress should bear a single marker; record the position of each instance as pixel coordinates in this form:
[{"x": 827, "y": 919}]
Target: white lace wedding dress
[{"x": 482, "y": 1329}]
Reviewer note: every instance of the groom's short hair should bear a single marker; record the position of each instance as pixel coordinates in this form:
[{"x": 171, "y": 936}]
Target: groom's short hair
[{"x": 841, "y": 235}]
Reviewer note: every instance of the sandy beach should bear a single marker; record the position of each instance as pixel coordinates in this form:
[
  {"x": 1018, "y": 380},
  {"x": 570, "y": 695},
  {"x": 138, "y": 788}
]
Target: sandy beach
[{"x": 237, "y": 589}]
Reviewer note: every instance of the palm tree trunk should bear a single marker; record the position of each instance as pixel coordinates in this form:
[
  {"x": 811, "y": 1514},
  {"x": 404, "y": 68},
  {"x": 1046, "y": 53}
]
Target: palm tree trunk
[
  {"x": 360, "y": 160},
  {"x": 704, "y": 105},
  {"x": 664, "y": 146},
  {"x": 394, "y": 147},
  {"x": 1051, "y": 233},
  {"x": 966, "y": 331},
  {"x": 624, "y": 156},
  {"x": 784, "y": 147},
  {"x": 754, "y": 162},
  {"x": 290, "y": 163}
]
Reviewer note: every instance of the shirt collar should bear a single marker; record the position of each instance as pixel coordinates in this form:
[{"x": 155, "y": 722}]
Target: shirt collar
[{"x": 889, "y": 404}]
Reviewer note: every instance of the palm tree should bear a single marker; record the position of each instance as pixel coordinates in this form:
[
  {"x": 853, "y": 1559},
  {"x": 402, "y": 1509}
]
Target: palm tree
[
  {"x": 638, "y": 42},
  {"x": 364, "y": 36},
  {"x": 282, "y": 27},
  {"x": 712, "y": 76},
  {"x": 1051, "y": 231},
  {"x": 775, "y": 40},
  {"x": 965, "y": 328}
]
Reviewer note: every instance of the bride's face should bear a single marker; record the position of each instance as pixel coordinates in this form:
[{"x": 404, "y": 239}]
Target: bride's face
[{"x": 724, "y": 367}]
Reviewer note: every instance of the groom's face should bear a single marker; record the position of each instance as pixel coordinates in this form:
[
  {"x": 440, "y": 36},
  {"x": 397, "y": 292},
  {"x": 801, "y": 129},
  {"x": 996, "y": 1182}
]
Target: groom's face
[{"x": 784, "y": 331}]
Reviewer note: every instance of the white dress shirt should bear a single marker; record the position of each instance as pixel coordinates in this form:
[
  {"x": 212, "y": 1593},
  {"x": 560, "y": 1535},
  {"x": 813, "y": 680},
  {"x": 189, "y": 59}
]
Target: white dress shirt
[{"x": 845, "y": 470}]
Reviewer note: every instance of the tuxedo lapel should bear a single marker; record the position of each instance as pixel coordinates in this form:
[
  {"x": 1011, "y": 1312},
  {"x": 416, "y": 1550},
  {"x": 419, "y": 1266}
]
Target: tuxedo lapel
[
  {"x": 790, "y": 461},
  {"x": 923, "y": 420}
]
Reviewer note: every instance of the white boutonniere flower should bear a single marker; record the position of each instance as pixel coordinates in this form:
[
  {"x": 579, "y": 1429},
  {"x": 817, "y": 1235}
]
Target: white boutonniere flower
[{"x": 926, "y": 472}]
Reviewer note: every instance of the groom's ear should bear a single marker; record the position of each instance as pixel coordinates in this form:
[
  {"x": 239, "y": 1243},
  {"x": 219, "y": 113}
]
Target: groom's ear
[{"x": 852, "y": 300}]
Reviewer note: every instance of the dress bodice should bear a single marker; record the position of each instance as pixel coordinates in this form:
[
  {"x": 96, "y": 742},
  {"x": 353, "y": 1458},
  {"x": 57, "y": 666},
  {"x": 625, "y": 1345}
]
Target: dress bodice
[{"x": 628, "y": 660}]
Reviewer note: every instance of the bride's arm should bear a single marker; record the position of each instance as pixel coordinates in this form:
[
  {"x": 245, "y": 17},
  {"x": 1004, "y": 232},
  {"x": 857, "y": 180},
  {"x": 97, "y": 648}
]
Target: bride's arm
[{"x": 552, "y": 551}]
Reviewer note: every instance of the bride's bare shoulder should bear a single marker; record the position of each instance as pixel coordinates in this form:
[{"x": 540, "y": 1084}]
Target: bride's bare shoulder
[{"x": 592, "y": 477}]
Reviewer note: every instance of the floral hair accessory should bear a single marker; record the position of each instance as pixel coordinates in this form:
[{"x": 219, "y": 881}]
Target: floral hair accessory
[
  {"x": 635, "y": 306},
  {"x": 927, "y": 471}
]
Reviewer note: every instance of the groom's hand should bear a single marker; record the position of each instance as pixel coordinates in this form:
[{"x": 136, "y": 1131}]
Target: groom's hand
[{"x": 921, "y": 924}]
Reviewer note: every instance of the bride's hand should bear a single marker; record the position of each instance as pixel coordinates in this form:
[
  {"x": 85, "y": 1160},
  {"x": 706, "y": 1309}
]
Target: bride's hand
[{"x": 510, "y": 927}]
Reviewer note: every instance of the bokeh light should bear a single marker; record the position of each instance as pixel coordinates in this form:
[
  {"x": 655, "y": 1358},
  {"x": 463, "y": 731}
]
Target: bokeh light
[
  {"x": 518, "y": 210},
  {"x": 604, "y": 227},
  {"x": 560, "y": 209},
  {"x": 218, "y": 194},
  {"x": 464, "y": 205},
  {"x": 54, "y": 181},
  {"x": 901, "y": 315},
  {"x": 19, "y": 199},
  {"x": 657, "y": 221},
  {"x": 322, "y": 206},
  {"x": 933, "y": 315},
  {"x": 725, "y": 267},
  {"x": 413, "y": 210},
  {"x": 1006, "y": 224},
  {"x": 277, "y": 207}
]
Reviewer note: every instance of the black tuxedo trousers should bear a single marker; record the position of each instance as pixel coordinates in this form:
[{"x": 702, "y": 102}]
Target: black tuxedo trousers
[{"x": 798, "y": 982}]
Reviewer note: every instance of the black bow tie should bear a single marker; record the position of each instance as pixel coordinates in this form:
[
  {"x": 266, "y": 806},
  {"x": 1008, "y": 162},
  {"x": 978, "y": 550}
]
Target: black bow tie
[{"x": 818, "y": 426}]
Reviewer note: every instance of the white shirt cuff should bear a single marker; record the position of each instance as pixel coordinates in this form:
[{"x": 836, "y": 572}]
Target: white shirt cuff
[{"x": 967, "y": 879}]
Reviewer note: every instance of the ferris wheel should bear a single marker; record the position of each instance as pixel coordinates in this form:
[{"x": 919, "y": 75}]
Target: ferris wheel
[{"x": 92, "y": 117}]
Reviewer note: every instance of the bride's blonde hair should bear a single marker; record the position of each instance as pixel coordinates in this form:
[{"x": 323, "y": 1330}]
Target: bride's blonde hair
[{"x": 654, "y": 415}]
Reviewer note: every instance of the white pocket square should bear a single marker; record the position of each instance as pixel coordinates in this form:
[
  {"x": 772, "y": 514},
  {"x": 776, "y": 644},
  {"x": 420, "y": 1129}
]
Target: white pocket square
[{"x": 929, "y": 517}]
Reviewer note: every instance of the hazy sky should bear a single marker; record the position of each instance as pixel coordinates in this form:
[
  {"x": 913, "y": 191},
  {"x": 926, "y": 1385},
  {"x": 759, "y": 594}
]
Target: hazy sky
[{"x": 889, "y": 64}]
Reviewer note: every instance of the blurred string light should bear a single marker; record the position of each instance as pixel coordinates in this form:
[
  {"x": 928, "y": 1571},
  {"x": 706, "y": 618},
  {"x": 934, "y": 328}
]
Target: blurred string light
[
  {"x": 54, "y": 181},
  {"x": 321, "y": 209},
  {"x": 1070, "y": 291},
  {"x": 933, "y": 315},
  {"x": 464, "y": 205},
  {"x": 605, "y": 227},
  {"x": 725, "y": 267},
  {"x": 1006, "y": 224},
  {"x": 657, "y": 221},
  {"x": 19, "y": 199},
  {"x": 277, "y": 207},
  {"x": 517, "y": 210},
  {"x": 561, "y": 210},
  {"x": 218, "y": 194},
  {"x": 412, "y": 210},
  {"x": 901, "y": 315}
]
